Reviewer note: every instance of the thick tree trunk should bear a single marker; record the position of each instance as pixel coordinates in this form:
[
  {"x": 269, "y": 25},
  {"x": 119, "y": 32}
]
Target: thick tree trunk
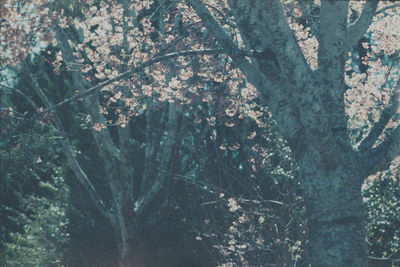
[
  {"x": 132, "y": 250},
  {"x": 335, "y": 214},
  {"x": 129, "y": 230},
  {"x": 133, "y": 254}
]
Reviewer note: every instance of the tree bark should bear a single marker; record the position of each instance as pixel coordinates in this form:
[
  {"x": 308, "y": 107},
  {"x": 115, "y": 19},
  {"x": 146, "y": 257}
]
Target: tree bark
[
  {"x": 309, "y": 108},
  {"x": 130, "y": 237},
  {"x": 133, "y": 253},
  {"x": 335, "y": 214}
]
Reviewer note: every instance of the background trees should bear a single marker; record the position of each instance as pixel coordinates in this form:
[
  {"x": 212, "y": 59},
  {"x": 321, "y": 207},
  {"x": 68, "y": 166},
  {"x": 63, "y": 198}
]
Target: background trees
[{"x": 152, "y": 123}]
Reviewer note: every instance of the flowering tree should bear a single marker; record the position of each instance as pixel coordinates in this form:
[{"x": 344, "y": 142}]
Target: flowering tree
[
  {"x": 338, "y": 113},
  {"x": 307, "y": 99}
]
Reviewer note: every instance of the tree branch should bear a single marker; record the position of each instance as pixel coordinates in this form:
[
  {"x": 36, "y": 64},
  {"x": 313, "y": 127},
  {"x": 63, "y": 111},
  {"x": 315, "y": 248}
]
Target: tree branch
[
  {"x": 263, "y": 26},
  {"x": 164, "y": 159},
  {"x": 331, "y": 59},
  {"x": 95, "y": 89},
  {"x": 388, "y": 112},
  {"x": 379, "y": 158},
  {"x": 151, "y": 143},
  {"x": 229, "y": 46},
  {"x": 103, "y": 139},
  {"x": 277, "y": 100},
  {"x": 126, "y": 165},
  {"x": 386, "y": 8},
  {"x": 71, "y": 158},
  {"x": 357, "y": 29},
  {"x": 27, "y": 98}
]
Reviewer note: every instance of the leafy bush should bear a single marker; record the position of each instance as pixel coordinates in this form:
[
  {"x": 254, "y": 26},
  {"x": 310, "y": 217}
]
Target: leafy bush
[
  {"x": 34, "y": 197},
  {"x": 382, "y": 201}
]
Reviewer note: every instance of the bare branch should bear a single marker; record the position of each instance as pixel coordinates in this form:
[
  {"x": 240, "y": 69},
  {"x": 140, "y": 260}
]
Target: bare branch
[
  {"x": 212, "y": 24},
  {"x": 380, "y": 157},
  {"x": 27, "y": 98},
  {"x": 357, "y": 29},
  {"x": 164, "y": 161},
  {"x": 126, "y": 165},
  {"x": 152, "y": 142},
  {"x": 6, "y": 86},
  {"x": 102, "y": 137},
  {"x": 33, "y": 104},
  {"x": 333, "y": 36},
  {"x": 71, "y": 158}
]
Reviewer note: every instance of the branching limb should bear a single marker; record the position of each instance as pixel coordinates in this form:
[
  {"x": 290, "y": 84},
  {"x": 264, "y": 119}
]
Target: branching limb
[
  {"x": 356, "y": 30},
  {"x": 277, "y": 100},
  {"x": 96, "y": 89},
  {"x": 27, "y": 98},
  {"x": 387, "y": 8},
  {"x": 331, "y": 59},
  {"x": 263, "y": 26},
  {"x": 388, "y": 112},
  {"x": 379, "y": 158},
  {"x": 165, "y": 160},
  {"x": 229, "y": 46},
  {"x": 92, "y": 104},
  {"x": 126, "y": 165},
  {"x": 73, "y": 162}
]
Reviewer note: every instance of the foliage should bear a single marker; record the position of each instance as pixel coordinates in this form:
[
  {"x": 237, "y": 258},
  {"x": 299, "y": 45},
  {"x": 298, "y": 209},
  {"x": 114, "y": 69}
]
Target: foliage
[
  {"x": 34, "y": 197},
  {"x": 382, "y": 201},
  {"x": 245, "y": 202}
]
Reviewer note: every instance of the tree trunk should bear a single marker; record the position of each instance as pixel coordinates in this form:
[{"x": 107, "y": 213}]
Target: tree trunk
[
  {"x": 335, "y": 213},
  {"x": 131, "y": 247},
  {"x": 131, "y": 239},
  {"x": 133, "y": 254}
]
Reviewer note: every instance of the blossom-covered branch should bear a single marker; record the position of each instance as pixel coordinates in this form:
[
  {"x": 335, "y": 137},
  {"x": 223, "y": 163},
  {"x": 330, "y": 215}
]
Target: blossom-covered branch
[
  {"x": 95, "y": 89},
  {"x": 356, "y": 30}
]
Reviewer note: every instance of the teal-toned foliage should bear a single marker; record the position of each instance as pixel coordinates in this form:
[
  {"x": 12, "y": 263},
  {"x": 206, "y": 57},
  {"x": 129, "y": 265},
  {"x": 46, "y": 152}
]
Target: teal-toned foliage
[
  {"x": 382, "y": 202},
  {"x": 33, "y": 200}
]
